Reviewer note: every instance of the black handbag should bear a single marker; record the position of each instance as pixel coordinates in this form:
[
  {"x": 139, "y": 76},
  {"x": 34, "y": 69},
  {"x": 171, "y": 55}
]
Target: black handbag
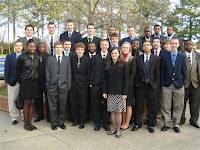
[{"x": 19, "y": 103}]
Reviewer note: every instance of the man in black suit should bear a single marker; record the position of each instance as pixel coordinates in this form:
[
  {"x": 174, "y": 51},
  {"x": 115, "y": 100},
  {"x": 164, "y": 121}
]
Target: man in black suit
[
  {"x": 171, "y": 34},
  {"x": 99, "y": 104},
  {"x": 147, "y": 81},
  {"x": 147, "y": 35},
  {"x": 136, "y": 48},
  {"x": 42, "y": 77},
  {"x": 111, "y": 30},
  {"x": 80, "y": 83},
  {"x": 71, "y": 34},
  {"x": 157, "y": 30},
  {"x": 58, "y": 82},
  {"x": 91, "y": 38}
]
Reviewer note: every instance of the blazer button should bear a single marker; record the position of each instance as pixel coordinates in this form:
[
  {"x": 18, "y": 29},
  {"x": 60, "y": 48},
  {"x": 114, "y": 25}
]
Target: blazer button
[
  {"x": 58, "y": 81},
  {"x": 172, "y": 79},
  {"x": 173, "y": 73}
]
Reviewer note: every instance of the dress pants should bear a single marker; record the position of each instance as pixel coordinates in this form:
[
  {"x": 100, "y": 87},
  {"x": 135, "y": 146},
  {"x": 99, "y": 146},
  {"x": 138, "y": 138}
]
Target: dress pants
[
  {"x": 169, "y": 93},
  {"x": 39, "y": 102},
  {"x": 57, "y": 101},
  {"x": 99, "y": 107},
  {"x": 89, "y": 105},
  {"x": 13, "y": 92},
  {"x": 79, "y": 97},
  {"x": 70, "y": 118},
  {"x": 193, "y": 94},
  {"x": 146, "y": 92}
]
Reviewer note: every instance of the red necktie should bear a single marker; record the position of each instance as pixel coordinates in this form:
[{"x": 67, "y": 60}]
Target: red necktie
[{"x": 156, "y": 53}]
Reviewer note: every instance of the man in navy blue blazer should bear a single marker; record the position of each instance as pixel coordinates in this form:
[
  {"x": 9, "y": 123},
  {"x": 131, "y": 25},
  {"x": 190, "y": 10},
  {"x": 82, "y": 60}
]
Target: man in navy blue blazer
[
  {"x": 11, "y": 80},
  {"x": 173, "y": 77},
  {"x": 71, "y": 34},
  {"x": 157, "y": 30}
]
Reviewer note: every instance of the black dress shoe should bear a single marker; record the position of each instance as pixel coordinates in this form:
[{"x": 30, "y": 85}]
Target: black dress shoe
[
  {"x": 74, "y": 123},
  {"x": 151, "y": 129},
  {"x": 176, "y": 129},
  {"x": 33, "y": 127},
  {"x": 28, "y": 128},
  {"x": 112, "y": 132},
  {"x": 38, "y": 119},
  {"x": 118, "y": 136},
  {"x": 96, "y": 128},
  {"x": 53, "y": 127},
  {"x": 81, "y": 126},
  {"x": 14, "y": 122},
  {"x": 106, "y": 128},
  {"x": 62, "y": 126},
  {"x": 196, "y": 125},
  {"x": 135, "y": 128},
  {"x": 165, "y": 128}
]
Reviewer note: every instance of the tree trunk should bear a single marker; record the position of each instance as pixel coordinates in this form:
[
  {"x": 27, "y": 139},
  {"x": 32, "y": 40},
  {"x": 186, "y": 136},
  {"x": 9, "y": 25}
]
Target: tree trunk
[{"x": 14, "y": 31}]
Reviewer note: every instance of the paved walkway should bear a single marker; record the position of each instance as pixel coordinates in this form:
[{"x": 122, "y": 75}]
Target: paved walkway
[{"x": 16, "y": 138}]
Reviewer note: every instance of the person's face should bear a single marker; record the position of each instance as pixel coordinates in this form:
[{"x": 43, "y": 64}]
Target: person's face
[
  {"x": 115, "y": 41},
  {"x": 167, "y": 46},
  {"x": 92, "y": 48},
  {"x": 147, "y": 33},
  {"x": 90, "y": 30},
  {"x": 67, "y": 46},
  {"x": 111, "y": 30},
  {"x": 188, "y": 46},
  {"x": 42, "y": 48},
  {"x": 157, "y": 30},
  {"x": 31, "y": 48},
  {"x": 18, "y": 47},
  {"x": 70, "y": 26},
  {"x": 104, "y": 46},
  {"x": 131, "y": 32},
  {"x": 115, "y": 55},
  {"x": 59, "y": 49},
  {"x": 147, "y": 47},
  {"x": 79, "y": 51},
  {"x": 169, "y": 31},
  {"x": 51, "y": 29},
  {"x": 174, "y": 44},
  {"x": 125, "y": 49},
  {"x": 135, "y": 45},
  {"x": 156, "y": 44},
  {"x": 29, "y": 31}
]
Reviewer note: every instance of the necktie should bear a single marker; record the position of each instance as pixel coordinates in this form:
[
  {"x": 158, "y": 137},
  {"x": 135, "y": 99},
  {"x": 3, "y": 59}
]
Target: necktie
[
  {"x": 104, "y": 56},
  {"x": 58, "y": 64},
  {"x": 90, "y": 40},
  {"x": 70, "y": 35},
  {"x": 66, "y": 53},
  {"x": 51, "y": 44},
  {"x": 79, "y": 62},
  {"x": 173, "y": 59},
  {"x": 189, "y": 59},
  {"x": 156, "y": 52},
  {"x": 146, "y": 69}
]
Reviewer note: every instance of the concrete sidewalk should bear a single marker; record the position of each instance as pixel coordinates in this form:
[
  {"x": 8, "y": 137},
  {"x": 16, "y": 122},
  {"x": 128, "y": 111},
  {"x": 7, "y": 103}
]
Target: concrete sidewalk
[{"x": 14, "y": 137}]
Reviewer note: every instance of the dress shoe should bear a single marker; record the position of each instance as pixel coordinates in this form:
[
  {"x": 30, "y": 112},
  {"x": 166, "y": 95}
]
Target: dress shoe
[
  {"x": 62, "y": 126},
  {"x": 165, "y": 128},
  {"x": 81, "y": 126},
  {"x": 33, "y": 127},
  {"x": 74, "y": 123},
  {"x": 151, "y": 129},
  {"x": 38, "y": 119},
  {"x": 28, "y": 128},
  {"x": 107, "y": 128},
  {"x": 14, "y": 122},
  {"x": 53, "y": 127},
  {"x": 112, "y": 132},
  {"x": 96, "y": 128},
  {"x": 135, "y": 128},
  {"x": 196, "y": 125},
  {"x": 176, "y": 129},
  {"x": 118, "y": 136}
]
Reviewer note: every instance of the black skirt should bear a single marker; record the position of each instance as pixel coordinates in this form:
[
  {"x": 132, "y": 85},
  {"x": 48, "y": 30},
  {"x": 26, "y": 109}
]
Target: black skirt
[{"x": 29, "y": 90}]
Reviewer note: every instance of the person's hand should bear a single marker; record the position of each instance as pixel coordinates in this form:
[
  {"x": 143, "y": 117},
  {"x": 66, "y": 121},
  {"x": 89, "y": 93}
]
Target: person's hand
[
  {"x": 105, "y": 96},
  {"x": 124, "y": 97}
]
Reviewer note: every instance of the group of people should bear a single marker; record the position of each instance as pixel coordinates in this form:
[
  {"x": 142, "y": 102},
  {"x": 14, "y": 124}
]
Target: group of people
[{"x": 104, "y": 78}]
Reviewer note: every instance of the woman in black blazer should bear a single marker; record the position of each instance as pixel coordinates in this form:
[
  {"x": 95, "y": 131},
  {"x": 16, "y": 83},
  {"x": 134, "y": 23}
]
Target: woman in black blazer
[
  {"x": 27, "y": 76},
  {"x": 126, "y": 50},
  {"x": 115, "y": 88}
]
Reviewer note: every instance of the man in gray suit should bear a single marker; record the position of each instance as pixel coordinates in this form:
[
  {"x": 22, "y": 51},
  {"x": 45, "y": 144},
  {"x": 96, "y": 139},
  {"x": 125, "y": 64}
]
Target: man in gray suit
[
  {"x": 29, "y": 29},
  {"x": 51, "y": 38},
  {"x": 58, "y": 82}
]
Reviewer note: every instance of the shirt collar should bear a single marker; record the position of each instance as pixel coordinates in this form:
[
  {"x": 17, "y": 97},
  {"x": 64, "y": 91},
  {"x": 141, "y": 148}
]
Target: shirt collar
[
  {"x": 132, "y": 38},
  {"x": 104, "y": 54},
  {"x": 154, "y": 35},
  {"x": 60, "y": 56},
  {"x": 28, "y": 38},
  {"x": 172, "y": 53},
  {"x": 92, "y": 54}
]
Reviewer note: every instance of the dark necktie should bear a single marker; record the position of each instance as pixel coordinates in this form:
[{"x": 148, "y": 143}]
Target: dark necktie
[
  {"x": 51, "y": 44},
  {"x": 58, "y": 64},
  {"x": 190, "y": 61},
  {"x": 146, "y": 69},
  {"x": 79, "y": 62},
  {"x": 70, "y": 35}
]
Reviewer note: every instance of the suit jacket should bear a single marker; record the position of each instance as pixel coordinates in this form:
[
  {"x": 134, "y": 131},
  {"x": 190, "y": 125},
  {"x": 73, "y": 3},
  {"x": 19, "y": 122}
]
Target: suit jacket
[
  {"x": 81, "y": 75},
  {"x": 46, "y": 40},
  {"x": 71, "y": 54},
  {"x": 127, "y": 39},
  {"x": 144, "y": 40},
  {"x": 55, "y": 79},
  {"x": 24, "y": 42},
  {"x": 10, "y": 69},
  {"x": 76, "y": 37},
  {"x": 96, "y": 40},
  {"x": 153, "y": 71},
  {"x": 177, "y": 74},
  {"x": 116, "y": 79}
]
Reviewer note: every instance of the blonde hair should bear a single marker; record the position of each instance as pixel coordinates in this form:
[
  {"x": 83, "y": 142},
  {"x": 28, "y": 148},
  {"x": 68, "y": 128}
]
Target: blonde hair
[{"x": 129, "y": 57}]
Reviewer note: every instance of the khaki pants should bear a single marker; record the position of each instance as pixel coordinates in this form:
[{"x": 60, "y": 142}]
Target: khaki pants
[
  {"x": 13, "y": 92},
  {"x": 169, "y": 93}
]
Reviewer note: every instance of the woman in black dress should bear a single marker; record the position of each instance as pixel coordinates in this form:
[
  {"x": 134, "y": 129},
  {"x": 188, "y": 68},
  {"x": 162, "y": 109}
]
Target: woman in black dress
[
  {"x": 27, "y": 75},
  {"x": 115, "y": 88},
  {"x": 127, "y": 57}
]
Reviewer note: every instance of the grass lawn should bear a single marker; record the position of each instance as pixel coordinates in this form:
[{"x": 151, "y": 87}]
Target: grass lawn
[{"x": 4, "y": 91}]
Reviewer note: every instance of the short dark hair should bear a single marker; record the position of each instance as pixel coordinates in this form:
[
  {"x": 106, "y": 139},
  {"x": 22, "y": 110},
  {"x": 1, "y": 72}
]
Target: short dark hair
[
  {"x": 70, "y": 21},
  {"x": 90, "y": 24},
  {"x": 157, "y": 25},
  {"x": 29, "y": 25},
  {"x": 51, "y": 23},
  {"x": 42, "y": 43},
  {"x": 157, "y": 38},
  {"x": 188, "y": 41},
  {"x": 30, "y": 41},
  {"x": 67, "y": 40},
  {"x": 18, "y": 41},
  {"x": 146, "y": 28},
  {"x": 147, "y": 42},
  {"x": 114, "y": 35}
]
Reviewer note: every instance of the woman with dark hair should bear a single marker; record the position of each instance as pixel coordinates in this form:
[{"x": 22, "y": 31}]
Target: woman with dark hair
[
  {"x": 115, "y": 88},
  {"x": 27, "y": 76},
  {"x": 127, "y": 57}
]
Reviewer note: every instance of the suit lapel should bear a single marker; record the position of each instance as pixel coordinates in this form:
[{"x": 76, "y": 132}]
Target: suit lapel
[
  {"x": 150, "y": 61},
  {"x": 48, "y": 42},
  {"x": 177, "y": 61},
  {"x": 142, "y": 61},
  {"x": 55, "y": 63}
]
